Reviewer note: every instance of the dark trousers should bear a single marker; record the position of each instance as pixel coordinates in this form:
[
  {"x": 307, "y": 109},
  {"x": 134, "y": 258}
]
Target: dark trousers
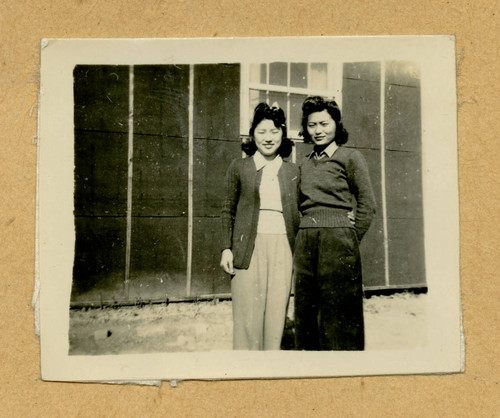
[{"x": 328, "y": 290}]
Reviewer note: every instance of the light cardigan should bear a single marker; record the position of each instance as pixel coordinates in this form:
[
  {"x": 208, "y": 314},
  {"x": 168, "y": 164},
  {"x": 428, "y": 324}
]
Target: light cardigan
[{"x": 241, "y": 206}]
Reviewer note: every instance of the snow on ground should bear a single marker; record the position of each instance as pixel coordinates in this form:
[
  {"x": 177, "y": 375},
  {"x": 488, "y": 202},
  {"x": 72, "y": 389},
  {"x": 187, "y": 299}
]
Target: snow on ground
[{"x": 391, "y": 322}]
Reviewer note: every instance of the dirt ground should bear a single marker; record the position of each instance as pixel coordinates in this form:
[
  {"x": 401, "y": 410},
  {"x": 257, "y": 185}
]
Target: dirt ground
[{"x": 391, "y": 322}]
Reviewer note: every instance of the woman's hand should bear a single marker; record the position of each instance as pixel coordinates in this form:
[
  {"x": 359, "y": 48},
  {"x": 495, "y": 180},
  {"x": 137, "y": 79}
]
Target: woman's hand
[
  {"x": 226, "y": 261},
  {"x": 352, "y": 217}
]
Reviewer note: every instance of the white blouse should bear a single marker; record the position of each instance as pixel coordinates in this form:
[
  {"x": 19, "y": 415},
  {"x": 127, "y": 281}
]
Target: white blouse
[{"x": 271, "y": 219}]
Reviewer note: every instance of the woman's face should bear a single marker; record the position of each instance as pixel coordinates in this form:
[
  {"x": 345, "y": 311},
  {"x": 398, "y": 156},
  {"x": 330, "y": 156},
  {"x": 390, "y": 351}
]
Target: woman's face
[
  {"x": 321, "y": 127},
  {"x": 268, "y": 138}
]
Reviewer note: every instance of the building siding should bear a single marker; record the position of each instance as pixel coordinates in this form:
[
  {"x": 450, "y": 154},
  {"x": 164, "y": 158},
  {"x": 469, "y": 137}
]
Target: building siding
[{"x": 159, "y": 226}]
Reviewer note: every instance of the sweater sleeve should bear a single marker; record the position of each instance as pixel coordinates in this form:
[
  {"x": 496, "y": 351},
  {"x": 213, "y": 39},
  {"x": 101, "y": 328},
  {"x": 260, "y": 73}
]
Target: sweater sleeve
[
  {"x": 361, "y": 187},
  {"x": 230, "y": 203}
]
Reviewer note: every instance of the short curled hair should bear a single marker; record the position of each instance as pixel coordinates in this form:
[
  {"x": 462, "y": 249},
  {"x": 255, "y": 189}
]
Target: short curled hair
[
  {"x": 314, "y": 104},
  {"x": 264, "y": 111}
]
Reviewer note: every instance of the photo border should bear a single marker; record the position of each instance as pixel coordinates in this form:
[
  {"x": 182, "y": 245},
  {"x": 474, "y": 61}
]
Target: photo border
[{"x": 436, "y": 57}]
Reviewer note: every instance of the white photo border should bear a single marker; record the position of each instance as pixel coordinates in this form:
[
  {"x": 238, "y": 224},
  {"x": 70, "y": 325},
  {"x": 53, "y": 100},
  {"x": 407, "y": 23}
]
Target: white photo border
[{"x": 56, "y": 235}]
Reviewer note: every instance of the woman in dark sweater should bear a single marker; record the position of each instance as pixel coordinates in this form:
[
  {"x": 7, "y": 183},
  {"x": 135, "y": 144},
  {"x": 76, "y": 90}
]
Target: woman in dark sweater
[
  {"x": 260, "y": 218},
  {"x": 328, "y": 283}
]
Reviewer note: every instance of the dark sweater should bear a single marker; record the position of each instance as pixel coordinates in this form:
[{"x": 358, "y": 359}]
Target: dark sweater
[
  {"x": 328, "y": 187},
  {"x": 240, "y": 209}
]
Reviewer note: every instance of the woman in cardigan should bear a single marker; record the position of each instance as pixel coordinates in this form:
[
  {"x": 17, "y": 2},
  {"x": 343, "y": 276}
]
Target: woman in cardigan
[
  {"x": 328, "y": 285},
  {"x": 259, "y": 222}
]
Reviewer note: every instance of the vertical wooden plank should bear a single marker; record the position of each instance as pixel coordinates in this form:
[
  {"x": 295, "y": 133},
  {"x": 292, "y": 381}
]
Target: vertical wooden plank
[
  {"x": 361, "y": 104},
  {"x": 217, "y": 101},
  {"x": 404, "y": 187},
  {"x": 190, "y": 181},
  {"x": 100, "y": 173},
  {"x": 208, "y": 277},
  {"x": 361, "y": 109},
  {"x": 404, "y": 174},
  {"x": 100, "y": 116},
  {"x": 158, "y": 257},
  {"x": 383, "y": 174},
  {"x": 407, "y": 253},
  {"x": 100, "y": 97},
  {"x": 244, "y": 95},
  {"x": 130, "y": 177},
  {"x": 212, "y": 158},
  {"x": 372, "y": 245},
  {"x": 99, "y": 258},
  {"x": 160, "y": 182},
  {"x": 160, "y": 176},
  {"x": 216, "y": 144},
  {"x": 161, "y": 100},
  {"x": 402, "y": 111}
]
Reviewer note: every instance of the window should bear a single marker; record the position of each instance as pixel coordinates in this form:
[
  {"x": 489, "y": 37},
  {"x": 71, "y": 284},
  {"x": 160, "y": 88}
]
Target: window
[{"x": 287, "y": 84}]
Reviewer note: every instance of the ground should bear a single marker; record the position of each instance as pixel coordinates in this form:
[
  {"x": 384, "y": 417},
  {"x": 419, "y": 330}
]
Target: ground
[{"x": 391, "y": 322}]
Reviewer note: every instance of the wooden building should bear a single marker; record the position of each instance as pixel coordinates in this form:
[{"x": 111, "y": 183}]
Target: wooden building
[{"x": 152, "y": 144}]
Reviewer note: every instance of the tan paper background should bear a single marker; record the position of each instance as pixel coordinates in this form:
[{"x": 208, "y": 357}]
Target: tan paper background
[{"x": 476, "y": 392}]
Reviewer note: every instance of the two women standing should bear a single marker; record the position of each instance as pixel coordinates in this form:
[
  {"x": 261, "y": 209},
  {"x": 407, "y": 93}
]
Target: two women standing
[{"x": 260, "y": 220}]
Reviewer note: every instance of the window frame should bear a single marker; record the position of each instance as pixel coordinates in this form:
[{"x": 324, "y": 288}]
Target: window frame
[{"x": 333, "y": 90}]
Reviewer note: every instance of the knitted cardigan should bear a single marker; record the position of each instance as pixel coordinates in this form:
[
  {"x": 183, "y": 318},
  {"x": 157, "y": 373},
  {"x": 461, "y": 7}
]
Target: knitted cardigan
[{"x": 240, "y": 210}]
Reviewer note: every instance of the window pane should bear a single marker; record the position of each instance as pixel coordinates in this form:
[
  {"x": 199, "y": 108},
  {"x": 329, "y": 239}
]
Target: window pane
[
  {"x": 263, "y": 73},
  {"x": 278, "y": 73},
  {"x": 318, "y": 77},
  {"x": 258, "y": 73},
  {"x": 295, "y": 116},
  {"x": 279, "y": 99},
  {"x": 256, "y": 97},
  {"x": 298, "y": 75},
  {"x": 254, "y": 73}
]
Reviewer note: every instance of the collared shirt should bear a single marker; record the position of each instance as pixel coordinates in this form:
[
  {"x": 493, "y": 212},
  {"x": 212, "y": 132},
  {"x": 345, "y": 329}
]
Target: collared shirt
[
  {"x": 261, "y": 162},
  {"x": 327, "y": 152},
  {"x": 271, "y": 209}
]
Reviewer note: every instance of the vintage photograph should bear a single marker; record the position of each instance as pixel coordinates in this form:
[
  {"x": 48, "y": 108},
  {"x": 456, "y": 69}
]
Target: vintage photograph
[{"x": 271, "y": 201}]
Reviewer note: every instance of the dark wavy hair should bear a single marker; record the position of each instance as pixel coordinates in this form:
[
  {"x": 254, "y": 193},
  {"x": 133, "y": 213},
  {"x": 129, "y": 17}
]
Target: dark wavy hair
[
  {"x": 314, "y": 104},
  {"x": 264, "y": 111}
]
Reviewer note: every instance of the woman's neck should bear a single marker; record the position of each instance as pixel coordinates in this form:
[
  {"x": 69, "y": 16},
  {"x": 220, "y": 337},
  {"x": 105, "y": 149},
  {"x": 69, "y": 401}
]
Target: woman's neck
[
  {"x": 268, "y": 157},
  {"x": 321, "y": 148}
]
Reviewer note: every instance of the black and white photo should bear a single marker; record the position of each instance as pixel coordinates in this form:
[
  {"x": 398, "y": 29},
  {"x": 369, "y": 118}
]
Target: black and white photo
[{"x": 180, "y": 179}]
